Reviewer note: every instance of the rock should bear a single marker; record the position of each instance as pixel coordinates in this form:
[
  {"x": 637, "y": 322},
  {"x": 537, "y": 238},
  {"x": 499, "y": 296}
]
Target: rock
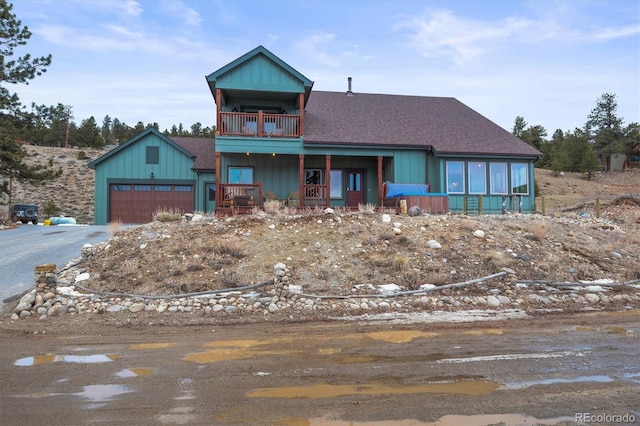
[
  {"x": 273, "y": 308},
  {"x": 136, "y": 307},
  {"x": 536, "y": 298},
  {"x": 433, "y": 244},
  {"x": 592, "y": 298},
  {"x": 386, "y": 218},
  {"x": 479, "y": 233},
  {"x": 114, "y": 308},
  {"x": 414, "y": 211},
  {"x": 25, "y": 314},
  {"x": 48, "y": 296},
  {"x": 493, "y": 302}
]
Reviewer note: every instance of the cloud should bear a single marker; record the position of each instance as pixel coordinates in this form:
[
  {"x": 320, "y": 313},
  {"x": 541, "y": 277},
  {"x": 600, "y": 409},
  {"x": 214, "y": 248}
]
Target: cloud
[
  {"x": 316, "y": 47},
  {"x": 179, "y": 10},
  {"x": 441, "y": 33}
]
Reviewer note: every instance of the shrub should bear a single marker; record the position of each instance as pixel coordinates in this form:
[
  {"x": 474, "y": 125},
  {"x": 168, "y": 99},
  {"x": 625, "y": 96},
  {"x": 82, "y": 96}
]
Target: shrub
[
  {"x": 82, "y": 155},
  {"x": 50, "y": 209},
  {"x": 167, "y": 216}
]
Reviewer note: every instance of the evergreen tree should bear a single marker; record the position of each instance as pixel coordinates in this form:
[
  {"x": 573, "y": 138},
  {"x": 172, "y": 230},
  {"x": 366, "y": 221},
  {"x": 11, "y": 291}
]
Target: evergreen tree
[{"x": 16, "y": 71}]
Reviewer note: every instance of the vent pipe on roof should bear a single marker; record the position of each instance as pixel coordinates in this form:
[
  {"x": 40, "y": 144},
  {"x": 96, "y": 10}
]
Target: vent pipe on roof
[{"x": 349, "y": 92}]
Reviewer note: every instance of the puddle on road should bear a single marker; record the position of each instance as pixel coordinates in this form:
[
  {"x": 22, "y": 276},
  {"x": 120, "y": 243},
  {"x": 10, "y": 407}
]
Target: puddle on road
[
  {"x": 449, "y": 420},
  {"x": 100, "y": 393},
  {"x": 400, "y": 336},
  {"x": 144, "y": 346},
  {"x": 76, "y": 359},
  {"x": 134, "y": 372},
  {"x": 225, "y": 350},
  {"x": 581, "y": 379},
  {"x": 324, "y": 390},
  {"x": 178, "y": 416}
]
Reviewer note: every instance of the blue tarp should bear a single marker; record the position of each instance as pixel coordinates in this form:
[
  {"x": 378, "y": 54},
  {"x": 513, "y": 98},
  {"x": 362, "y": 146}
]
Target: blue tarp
[{"x": 405, "y": 189}]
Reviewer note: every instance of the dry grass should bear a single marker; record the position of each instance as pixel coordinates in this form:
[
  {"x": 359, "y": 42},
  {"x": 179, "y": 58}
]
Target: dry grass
[
  {"x": 539, "y": 231},
  {"x": 167, "y": 215},
  {"x": 115, "y": 227}
]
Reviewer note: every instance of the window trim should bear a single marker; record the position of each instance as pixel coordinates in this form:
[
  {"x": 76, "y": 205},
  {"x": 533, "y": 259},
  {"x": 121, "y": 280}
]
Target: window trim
[
  {"x": 152, "y": 154},
  {"x": 471, "y": 166},
  {"x": 463, "y": 179},
  {"x": 505, "y": 178},
  {"x": 526, "y": 177},
  {"x": 241, "y": 168}
]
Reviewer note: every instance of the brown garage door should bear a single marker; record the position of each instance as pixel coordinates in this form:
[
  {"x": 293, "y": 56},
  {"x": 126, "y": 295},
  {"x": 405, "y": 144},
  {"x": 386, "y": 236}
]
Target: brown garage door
[{"x": 132, "y": 203}]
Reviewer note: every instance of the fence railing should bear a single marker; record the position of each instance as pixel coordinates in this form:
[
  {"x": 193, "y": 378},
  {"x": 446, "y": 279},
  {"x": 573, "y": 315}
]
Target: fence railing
[{"x": 259, "y": 124}]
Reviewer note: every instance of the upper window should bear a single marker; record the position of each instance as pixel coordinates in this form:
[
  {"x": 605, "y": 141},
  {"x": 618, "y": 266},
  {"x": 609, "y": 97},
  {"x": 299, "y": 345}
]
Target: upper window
[
  {"x": 455, "y": 177},
  {"x": 240, "y": 174},
  {"x": 477, "y": 178},
  {"x": 519, "y": 178},
  {"x": 153, "y": 155},
  {"x": 498, "y": 178}
]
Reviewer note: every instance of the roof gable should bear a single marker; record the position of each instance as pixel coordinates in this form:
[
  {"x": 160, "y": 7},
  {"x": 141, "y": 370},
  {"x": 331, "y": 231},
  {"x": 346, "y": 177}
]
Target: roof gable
[
  {"x": 260, "y": 70},
  {"x": 444, "y": 125}
]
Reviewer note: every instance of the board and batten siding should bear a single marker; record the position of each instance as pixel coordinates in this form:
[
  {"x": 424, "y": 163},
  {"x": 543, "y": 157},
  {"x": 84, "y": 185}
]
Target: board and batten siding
[{"x": 130, "y": 164}]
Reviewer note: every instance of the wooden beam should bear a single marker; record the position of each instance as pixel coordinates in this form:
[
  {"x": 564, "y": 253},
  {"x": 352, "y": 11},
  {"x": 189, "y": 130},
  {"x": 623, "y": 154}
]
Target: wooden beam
[
  {"x": 380, "y": 184},
  {"x": 301, "y": 129},
  {"x": 327, "y": 179},
  {"x": 218, "y": 181}
]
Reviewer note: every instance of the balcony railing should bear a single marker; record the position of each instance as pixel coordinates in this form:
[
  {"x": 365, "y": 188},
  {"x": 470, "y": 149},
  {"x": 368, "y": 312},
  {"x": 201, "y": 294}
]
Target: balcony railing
[
  {"x": 259, "y": 124},
  {"x": 315, "y": 195}
]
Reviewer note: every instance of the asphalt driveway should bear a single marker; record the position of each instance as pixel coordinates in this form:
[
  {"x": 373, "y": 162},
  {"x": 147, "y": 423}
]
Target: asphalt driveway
[{"x": 27, "y": 246}]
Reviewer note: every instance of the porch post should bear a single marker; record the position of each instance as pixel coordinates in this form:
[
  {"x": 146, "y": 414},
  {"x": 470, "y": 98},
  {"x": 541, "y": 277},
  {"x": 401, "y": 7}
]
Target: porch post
[
  {"x": 218, "y": 109},
  {"x": 301, "y": 179},
  {"x": 380, "y": 187},
  {"x": 218, "y": 189},
  {"x": 327, "y": 180},
  {"x": 301, "y": 102},
  {"x": 260, "y": 122}
]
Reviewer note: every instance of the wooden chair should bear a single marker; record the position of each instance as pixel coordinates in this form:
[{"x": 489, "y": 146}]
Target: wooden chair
[
  {"x": 269, "y": 196},
  {"x": 293, "y": 200}
]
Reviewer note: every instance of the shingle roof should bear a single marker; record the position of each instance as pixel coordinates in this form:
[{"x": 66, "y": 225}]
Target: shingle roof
[
  {"x": 202, "y": 148},
  {"x": 445, "y": 125}
]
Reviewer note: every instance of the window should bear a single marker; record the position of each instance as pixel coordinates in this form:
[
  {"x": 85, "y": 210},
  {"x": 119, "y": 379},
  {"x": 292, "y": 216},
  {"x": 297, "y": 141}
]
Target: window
[
  {"x": 142, "y": 188},
  {"x": 153, "y": 155},
  {"x": 336, "y": 184},
  {"x": 122, "y": 187},
  {"x": 477, "y": 178},
  {"x": 162, "y": 188},
  {"x": 519, "y": 178},
  {"x": 240, "y": 174},
  {"x": 212, "y": 192},
  {"x": 455, "y": 177},
  {"x": 182, "y": 188},
  {"x": 313, "y": 176},
  {"x": 498, "y": 178}
]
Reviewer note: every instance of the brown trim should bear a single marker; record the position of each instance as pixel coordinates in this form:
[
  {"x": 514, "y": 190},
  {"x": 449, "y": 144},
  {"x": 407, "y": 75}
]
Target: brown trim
[
  {"x": 218, "y": 181},
  {"x": 218, "y": 110},
  {"x": 301, "y": 101},
  {"x": 327, "y": 179},
  {"x": 380, "y": 188}
]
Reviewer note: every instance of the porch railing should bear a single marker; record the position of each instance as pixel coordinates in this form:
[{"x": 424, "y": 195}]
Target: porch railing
[
  {"x": 259, "y": 124},
  {"x": 240, "y": 195},
  {"x": 316, "y": 195}
]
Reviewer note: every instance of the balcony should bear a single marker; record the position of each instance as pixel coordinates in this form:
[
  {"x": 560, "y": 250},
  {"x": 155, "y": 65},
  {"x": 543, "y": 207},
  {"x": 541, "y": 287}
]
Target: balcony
[{"x": 259, "y": 125}]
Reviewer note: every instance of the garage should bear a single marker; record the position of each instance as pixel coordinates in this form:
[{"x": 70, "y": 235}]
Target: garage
[{"x": 137, "y": 203}]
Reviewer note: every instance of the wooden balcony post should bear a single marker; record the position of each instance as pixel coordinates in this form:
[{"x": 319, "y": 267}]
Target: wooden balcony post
[
  {"x": 301, "y": 127},
  {"x": 327, "y": 180},
  {"x": 380, "y": 184},
  {"x": 260, "y": 122},
  {"x": 218, "y": 181},
  {"x": 218, "y": 110}
]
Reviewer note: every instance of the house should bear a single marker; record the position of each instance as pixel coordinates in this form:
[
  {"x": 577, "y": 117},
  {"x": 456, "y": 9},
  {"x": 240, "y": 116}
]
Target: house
[{"x": 276, "y": 135}]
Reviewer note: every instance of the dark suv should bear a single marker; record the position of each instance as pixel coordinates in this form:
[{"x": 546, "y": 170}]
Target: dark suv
[{"x": 24, "y": 213}]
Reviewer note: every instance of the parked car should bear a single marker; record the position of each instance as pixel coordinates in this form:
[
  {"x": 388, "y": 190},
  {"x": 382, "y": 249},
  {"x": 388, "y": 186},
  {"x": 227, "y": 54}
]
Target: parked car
[{"x": 24, "y": 213}]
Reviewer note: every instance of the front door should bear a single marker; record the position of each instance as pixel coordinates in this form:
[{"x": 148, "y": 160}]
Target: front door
[
  {"x": 355, "y": 188},
  {"x": 210, "y": 197}
]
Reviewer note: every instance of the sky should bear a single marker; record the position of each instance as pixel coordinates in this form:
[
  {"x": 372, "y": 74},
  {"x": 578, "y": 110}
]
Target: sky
[{"x": 146, "y": 60}]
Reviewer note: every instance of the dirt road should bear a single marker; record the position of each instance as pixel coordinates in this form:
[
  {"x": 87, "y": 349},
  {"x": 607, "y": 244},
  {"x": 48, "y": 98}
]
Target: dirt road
[{"x": 545, "y": 370}]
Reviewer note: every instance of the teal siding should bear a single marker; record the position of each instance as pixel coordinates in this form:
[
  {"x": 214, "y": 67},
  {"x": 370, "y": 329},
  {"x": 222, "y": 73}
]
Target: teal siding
[
  {"x": 410, "y": 167},
  {"x": 261, "y": 74}
]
